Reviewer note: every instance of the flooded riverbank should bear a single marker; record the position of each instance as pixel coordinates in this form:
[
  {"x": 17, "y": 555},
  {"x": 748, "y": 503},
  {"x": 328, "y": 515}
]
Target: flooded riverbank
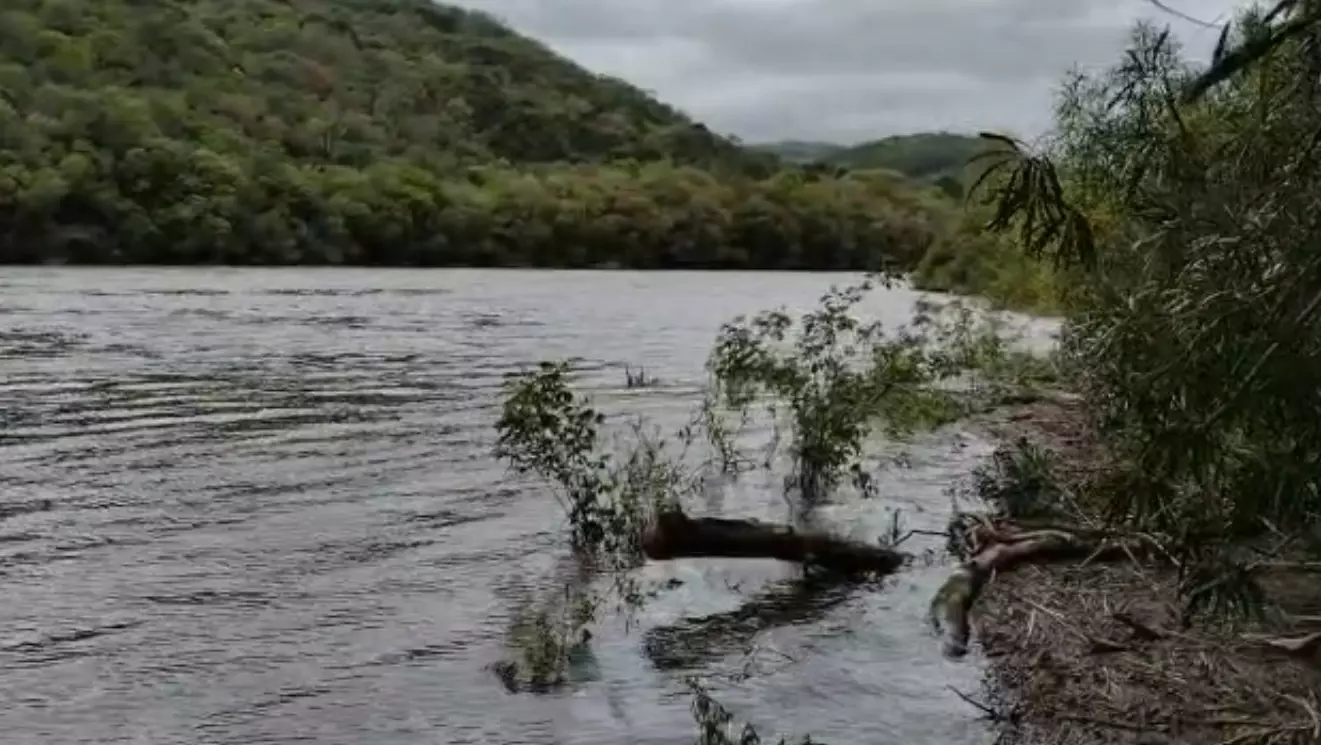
[{"x": 259, "y": 506}]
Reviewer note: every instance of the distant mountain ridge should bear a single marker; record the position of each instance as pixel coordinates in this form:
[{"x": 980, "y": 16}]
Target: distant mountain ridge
[
  {"x": 924, "y": 156},
  {"x": 800, "y": 151}
]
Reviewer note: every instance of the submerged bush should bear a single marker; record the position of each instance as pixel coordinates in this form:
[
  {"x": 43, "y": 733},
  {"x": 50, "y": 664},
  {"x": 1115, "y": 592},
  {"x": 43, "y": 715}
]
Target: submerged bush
[
  {"x": 548, "y": 430},
  {"x": 716, "y": 725},
  {"x": 841, "y": 378}
]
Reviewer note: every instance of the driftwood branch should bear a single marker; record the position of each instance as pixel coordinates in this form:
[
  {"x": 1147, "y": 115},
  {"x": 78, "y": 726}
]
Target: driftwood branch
[
  {"x": 1299, "y": 646},
  {"x": 1000, "y": 548},
  {"x": 992, "y": 547},
  {"x": 674, "y": 535}
]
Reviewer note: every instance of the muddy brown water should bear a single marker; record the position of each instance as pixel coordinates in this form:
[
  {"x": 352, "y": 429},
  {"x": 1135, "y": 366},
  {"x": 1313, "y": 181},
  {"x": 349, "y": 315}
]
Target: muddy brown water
[{"x": 259, "y": 506}]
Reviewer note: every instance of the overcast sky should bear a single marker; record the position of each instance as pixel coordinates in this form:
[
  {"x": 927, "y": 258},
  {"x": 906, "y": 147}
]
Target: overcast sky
[{"x": 848, "y": 70}]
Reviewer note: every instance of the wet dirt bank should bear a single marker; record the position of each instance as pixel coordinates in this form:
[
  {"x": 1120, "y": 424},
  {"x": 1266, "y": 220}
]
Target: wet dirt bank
[{"x": 1099, "y": 653}]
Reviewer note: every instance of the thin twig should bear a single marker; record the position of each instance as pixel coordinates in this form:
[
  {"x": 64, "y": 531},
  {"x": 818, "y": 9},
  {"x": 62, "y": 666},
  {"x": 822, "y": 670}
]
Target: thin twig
[
  {"x": 987, "y": 712},
  {"x": 1266, "y": 734},
  {"x": 1068, "y": 717},
  {"x": 1311, "y": 712},
  {"x": 1184, "y": 16}
]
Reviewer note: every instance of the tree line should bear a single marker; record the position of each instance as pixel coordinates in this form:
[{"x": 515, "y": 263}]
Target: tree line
[{"x": 176, "y": 204}]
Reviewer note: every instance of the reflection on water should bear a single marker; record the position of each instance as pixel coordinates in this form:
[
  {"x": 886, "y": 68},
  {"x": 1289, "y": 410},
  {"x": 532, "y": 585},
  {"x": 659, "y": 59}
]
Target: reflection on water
[
  {"x": 259, "y": 506},
  {"x": 692, "y": 643}
]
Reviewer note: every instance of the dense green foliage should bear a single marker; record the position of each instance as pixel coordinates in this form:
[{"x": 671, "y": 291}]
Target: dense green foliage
[
  {"x": 382, "y": 131},
  {"x": 964, "y": 257},
  {"x": 343, "y": 82},
  {"x": 969, "y": 260},
  {"x": 929, "y": 156},
  {"x": 935, "y": 158},
  {"x": 837, "y": 379},
  {"x": 1195, "y": 330},
  {"x": 922, "y": 155}
]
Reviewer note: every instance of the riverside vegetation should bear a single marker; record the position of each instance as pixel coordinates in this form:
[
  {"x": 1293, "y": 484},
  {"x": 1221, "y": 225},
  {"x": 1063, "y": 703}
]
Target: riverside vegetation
[
  {"x": 1179, "y": 203},
  {"x": 829, "y": 378},
  {"x": 1175, "y": 211}
]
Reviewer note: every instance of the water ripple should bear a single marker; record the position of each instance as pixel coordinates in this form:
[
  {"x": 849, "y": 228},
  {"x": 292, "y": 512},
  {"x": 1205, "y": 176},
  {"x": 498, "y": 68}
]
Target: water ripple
[{"x": 261, "y": 507}]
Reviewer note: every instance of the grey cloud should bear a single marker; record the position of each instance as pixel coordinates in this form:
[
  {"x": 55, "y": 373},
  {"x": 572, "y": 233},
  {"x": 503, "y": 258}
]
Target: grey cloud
[
  {"x": 844, "y": 70},
  {"x": 856, "y": 108}
]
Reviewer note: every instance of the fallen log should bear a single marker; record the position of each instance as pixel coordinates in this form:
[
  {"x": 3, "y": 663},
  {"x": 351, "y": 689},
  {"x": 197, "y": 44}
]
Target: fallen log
[{"x": 674, "y": 535}]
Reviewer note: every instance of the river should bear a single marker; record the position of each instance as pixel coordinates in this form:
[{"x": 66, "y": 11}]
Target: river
[{"x": 248, "y": 506}]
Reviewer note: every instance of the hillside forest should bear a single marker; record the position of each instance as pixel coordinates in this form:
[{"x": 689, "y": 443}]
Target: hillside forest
[{"x": 402, "y": 132}]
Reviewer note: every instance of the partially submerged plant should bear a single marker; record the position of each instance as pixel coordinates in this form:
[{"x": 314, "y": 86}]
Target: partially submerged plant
[
  {"x": 639, "y": 378},
  {"x": 721, "y": 437},
  {"x": 841, "y": 378},
  {"x": 824, "y": 379},
  {"x": 716, "y": 724},
  {"x": 547, "y": 430},
  {"x": 983, "y": 345},
  {"x": 546, "y": 633}
]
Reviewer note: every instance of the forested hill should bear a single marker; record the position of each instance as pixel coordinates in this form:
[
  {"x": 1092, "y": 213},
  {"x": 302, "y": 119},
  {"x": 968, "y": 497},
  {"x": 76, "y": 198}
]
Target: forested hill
[
  {"x": 336, "y": 81},
  {"x": 925, "y": 156},
  {"x": 381, "y": 131},
  {"x": 800, "y": 151}
]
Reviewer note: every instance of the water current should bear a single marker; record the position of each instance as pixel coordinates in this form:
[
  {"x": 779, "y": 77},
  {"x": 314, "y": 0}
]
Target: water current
[{"x": 259, "y": 506}]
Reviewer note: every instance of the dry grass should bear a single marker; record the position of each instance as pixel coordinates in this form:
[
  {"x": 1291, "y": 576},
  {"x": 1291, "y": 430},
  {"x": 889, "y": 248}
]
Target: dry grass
[
  {"x": 1094, "y": 654},
  {"x": 1090, "y": 655}
]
